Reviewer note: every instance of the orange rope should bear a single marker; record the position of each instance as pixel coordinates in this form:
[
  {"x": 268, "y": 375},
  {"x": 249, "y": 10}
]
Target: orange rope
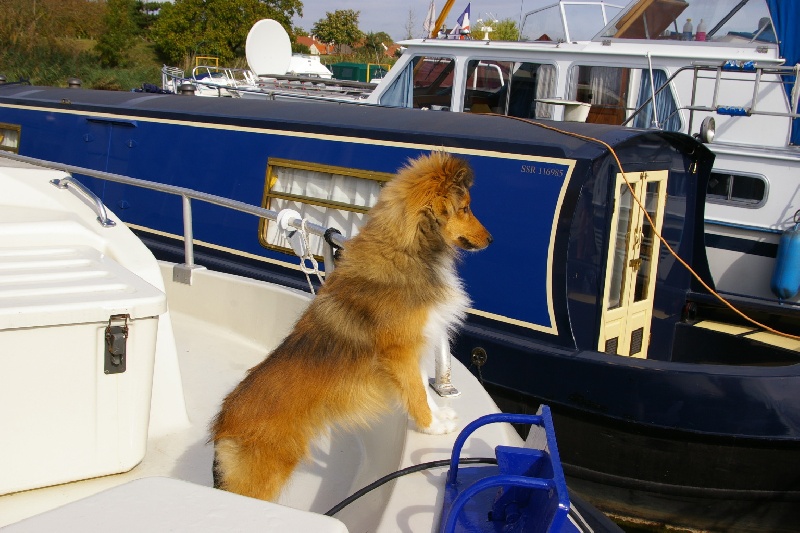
[{"x": 653, "y": 225}]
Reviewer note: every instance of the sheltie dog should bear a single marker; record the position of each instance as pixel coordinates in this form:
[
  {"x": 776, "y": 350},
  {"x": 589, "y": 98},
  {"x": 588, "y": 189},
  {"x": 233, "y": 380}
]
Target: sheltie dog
[{"x": 357, "y": 349}]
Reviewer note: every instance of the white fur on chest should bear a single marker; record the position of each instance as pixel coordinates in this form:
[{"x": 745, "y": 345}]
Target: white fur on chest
[{"x": 447, "y": 314}]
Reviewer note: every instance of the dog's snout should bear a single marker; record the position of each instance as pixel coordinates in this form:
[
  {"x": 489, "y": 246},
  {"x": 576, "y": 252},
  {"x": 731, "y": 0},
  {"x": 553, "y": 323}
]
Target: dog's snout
[{"x": 489, "y": 239}]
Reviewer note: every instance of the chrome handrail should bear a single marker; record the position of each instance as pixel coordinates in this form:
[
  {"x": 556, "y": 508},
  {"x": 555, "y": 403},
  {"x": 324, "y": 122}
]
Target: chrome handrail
[
  {"x": 185, "y": 193},
  {"x": 80, "y": 189}
]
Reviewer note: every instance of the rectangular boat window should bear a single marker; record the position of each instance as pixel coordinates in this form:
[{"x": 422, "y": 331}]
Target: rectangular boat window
[
  {"x": 606, "y": 88},
  {"x": 330, "y": 196},
  {"x": 739, "y": 189},
  {"x": 9, "y": 137},
  {"x": 648, "y": 240},
  {"x": 666, "y": 115},
  {"x": 620, "y": 250},
  {"x": 509, "y": 88},
  {"x": 425, "y": 83}
]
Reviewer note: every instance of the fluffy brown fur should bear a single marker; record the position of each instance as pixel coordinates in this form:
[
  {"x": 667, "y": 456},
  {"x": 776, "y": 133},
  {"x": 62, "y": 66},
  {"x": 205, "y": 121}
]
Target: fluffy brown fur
[{"x": 358, "y": 346}]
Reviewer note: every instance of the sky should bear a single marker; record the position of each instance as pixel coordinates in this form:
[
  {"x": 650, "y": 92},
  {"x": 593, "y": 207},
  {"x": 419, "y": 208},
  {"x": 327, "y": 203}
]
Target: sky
[{"x": 392, "y": 17}]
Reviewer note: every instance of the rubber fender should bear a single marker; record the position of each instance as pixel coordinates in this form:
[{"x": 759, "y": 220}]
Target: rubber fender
[{"x": 785, "y": 281}]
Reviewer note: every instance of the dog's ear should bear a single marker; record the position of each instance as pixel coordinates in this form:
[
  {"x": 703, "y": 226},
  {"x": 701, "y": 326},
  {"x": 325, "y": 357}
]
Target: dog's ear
[{"x": 461, "y": 177}]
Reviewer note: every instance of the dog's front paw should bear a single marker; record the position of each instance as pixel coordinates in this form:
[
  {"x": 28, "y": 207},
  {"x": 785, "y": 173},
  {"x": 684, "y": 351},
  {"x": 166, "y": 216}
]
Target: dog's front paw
[
  {"x": 438, "y": 427},
  {"x": 445, "y": 413}
]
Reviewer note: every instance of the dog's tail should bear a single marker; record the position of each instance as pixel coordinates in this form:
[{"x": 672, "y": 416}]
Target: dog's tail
[{"x": 257, "y": 469}]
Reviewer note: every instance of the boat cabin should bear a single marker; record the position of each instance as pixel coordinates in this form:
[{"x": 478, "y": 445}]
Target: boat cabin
[{"x": 714, "y": 70}]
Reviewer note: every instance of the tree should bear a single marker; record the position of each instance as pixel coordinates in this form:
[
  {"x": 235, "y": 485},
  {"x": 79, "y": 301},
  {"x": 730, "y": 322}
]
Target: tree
[
  {"x": 26, "y": 24},
  {"x": 120, "y": 30},
  {"x": 339, "y": 28},
  {"x": 504, "y": 30},
  {"x": 187, "y": 28},
  {"x": 145, "y": 15},
  {"x": 384, "y": 38},
  {"x": 373, "y": 45}
]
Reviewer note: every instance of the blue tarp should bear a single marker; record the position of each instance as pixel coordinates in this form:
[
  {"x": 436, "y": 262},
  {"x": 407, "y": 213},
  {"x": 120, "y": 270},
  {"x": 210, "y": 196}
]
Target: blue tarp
[{"x": 785, "y": 17}]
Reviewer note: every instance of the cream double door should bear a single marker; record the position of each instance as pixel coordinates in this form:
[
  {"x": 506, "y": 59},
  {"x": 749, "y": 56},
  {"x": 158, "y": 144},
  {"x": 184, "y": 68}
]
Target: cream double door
[{"x": 632, "y": 263}]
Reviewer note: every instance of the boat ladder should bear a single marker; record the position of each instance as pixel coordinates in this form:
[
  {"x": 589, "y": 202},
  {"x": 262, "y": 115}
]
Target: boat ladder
[{"x": 788, "y": 75}]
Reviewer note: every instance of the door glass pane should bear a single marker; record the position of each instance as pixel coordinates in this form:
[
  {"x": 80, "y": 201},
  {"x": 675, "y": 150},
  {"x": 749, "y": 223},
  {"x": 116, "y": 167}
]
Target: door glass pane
[
  {"x": 433, "y": 82},
  {"x": 648, "y": 243},
  {"x": 617, "y": 283},
  {"x": 487, "y": 86}
]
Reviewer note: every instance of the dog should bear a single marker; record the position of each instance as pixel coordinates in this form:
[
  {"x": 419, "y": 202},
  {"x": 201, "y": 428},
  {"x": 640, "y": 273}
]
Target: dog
[{"x": 358, "y": 347}]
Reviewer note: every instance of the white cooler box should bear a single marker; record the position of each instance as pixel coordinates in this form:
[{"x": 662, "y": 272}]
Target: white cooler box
[{"x": 77, "y": 348}]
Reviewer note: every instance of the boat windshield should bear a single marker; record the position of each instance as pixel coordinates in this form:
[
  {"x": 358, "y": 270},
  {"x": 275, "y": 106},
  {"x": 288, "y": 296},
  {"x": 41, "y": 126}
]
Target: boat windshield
[
  {"x": 735, "y": 21},
  {"x": 568, "y": 20}
]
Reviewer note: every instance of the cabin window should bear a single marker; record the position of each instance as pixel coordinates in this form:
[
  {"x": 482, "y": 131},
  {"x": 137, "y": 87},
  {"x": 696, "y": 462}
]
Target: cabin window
[
  {"x": 738, "y": 189},
  {"x": 9, "y": 137},
  {"x": 425, "y": 83},
  {"x": 509, "y": 88},
  {"x": 648, "y": 238},
  {"x": 617, "y": 279},
  {"x": 608, "y": 89},
  {"x": 333, "y": 197},
  {"x": 666, "y": 115}
]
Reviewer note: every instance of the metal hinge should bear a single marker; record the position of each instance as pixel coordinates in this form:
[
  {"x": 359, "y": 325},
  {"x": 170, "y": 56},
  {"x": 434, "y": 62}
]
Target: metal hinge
[{"x": 116, "y": 344}]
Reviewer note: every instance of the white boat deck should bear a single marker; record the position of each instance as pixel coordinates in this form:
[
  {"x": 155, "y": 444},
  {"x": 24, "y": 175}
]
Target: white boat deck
[{"x": 224, "y": 325}]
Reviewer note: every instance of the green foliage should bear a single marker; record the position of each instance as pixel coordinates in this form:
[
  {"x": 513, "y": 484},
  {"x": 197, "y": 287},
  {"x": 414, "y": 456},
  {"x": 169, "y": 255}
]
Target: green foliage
[
  {"x": 113, "y": 44},
  {"x": 505, "y": 30},
  {"x": 373, "y": 46},
  {"x": 44, "y": 65},
  {"x": 187, "y": 28},
  {"x": 145, "y": 16},
  {"x": 339, "y": 28},
  {"x": 121, "y": 44},
  {"x": 298, "y": 48}
]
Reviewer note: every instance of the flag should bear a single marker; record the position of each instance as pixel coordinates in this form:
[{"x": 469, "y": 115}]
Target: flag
[
  {"x": 430, "y": 20},
  {"x": 462, "y": 25}
]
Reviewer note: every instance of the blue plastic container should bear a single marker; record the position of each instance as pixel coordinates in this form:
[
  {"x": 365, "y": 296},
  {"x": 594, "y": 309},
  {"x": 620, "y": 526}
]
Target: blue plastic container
[
  {"x": 785, "y": 281},
  {"x": 525, "y": 492}
]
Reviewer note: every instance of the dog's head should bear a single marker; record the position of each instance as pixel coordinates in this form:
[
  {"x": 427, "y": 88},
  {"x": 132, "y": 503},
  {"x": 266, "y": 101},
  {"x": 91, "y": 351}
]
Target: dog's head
[{"x": 435, "y": 188}]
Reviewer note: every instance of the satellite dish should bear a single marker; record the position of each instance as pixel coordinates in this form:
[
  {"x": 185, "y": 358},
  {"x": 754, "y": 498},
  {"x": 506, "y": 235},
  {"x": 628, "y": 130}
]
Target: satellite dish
[{"x": 268, "y": 49}]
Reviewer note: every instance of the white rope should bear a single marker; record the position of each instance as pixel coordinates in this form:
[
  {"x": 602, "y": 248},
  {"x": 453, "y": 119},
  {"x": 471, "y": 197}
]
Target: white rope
[
  {"x": 298, "y": 240},
  {"x": 308, "y": 256}
]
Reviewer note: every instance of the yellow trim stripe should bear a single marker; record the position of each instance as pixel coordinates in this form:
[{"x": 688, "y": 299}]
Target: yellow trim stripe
[{"x": 751, "y": 333}]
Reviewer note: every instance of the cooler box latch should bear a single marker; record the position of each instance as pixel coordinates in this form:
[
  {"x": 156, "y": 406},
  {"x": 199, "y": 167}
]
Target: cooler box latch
[{"x": 116, "y": 344}]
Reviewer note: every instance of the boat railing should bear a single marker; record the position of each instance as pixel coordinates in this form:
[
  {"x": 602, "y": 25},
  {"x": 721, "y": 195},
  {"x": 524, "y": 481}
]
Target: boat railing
[
  {"x": 785, "y": 74},
  {"x": 171, "y": 78},
  {"x": 182, "y": 273},
  {"x": 244, "y": 83}
]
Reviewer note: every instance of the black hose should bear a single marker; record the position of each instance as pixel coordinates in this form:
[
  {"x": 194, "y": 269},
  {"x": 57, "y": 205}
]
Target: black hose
[{"x": 410, "y": 470}]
